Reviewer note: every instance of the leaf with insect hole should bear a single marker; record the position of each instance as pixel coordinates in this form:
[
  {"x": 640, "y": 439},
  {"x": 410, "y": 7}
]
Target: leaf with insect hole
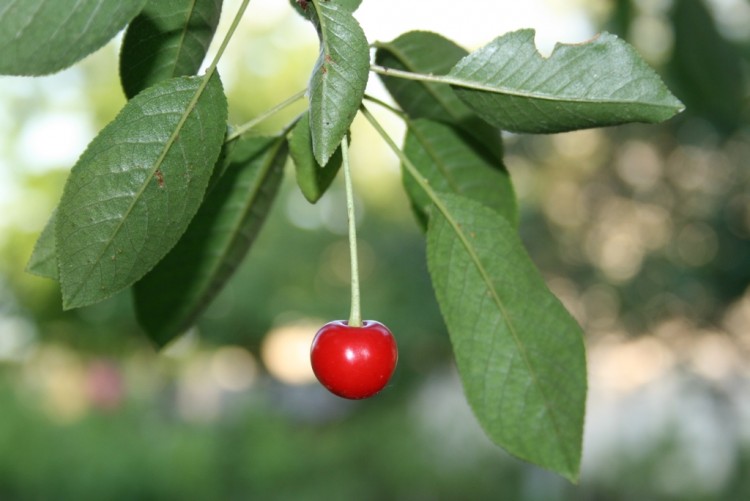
[{"x": 597, "y": 83}]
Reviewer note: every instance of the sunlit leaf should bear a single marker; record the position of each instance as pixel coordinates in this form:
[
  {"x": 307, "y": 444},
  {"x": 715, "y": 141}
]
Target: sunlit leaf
[
  {"x": 601, "y": 82},
  {"x": 174, "y": 294},
  {"x": 38, "y": 37},
  {"x": 339, "y": 78},
  {"x": 453, "y": 162},
  {"x": 169, "y": 38},
  {"x": 351, "y": 5},
  {"x": 137, "y": 186},
  {"x": 519, "y": 353},
  {"x": 312, "y": 179}
]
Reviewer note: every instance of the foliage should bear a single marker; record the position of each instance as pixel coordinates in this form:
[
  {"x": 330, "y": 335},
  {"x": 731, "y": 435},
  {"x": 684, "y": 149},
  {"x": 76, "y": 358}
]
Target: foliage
[{"x": 153, "y": 191}]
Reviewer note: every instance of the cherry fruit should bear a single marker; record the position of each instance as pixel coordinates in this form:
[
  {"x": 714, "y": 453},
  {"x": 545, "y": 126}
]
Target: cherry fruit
[{"x": 354, "y": 362}]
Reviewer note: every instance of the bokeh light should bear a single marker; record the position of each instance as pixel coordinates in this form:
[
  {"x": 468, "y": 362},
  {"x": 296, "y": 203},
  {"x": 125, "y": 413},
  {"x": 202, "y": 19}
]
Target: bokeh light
[{"x": 286, "y": 352}]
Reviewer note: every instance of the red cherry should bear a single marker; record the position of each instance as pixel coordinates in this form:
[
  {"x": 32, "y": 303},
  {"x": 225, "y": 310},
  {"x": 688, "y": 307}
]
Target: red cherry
[{"x": 354, "y": 362}]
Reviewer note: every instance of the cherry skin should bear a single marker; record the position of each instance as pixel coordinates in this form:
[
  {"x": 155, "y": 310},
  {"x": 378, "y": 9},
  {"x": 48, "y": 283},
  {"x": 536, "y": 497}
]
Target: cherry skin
[{"x": 354, "y": 362}]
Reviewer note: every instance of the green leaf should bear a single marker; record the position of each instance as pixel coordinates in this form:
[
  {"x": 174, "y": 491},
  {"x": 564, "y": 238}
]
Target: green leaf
[
  {"x": 707, "y": 70},
  {"x": 601, "y": 82},
  {"x": 174, "y": 294},
  {"x": 43, "y": 261},
  {"x": 38, "y": 37},
  {"x": 339, "y": 78},
  {"x": 452, "y": 162},
  {"x": 350, "y": 5},
  {"x": 519, "y": 353},
  {"x": 169, "y": 38},
  {"x": 222, "y": 163},
  {"x": 137, "y": 186},
  {"x": 301, "y": 6},
  {"x": 313, "y": 180},
  {"x": 429, "y": 53}
]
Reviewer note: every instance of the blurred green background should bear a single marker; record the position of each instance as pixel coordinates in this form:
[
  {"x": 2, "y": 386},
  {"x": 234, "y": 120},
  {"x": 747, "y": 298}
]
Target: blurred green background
[{"x": 642, "y": 231}]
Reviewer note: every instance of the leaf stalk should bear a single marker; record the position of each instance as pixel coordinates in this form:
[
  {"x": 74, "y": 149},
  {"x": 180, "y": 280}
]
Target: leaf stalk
[{"x": 242, "y": 129}]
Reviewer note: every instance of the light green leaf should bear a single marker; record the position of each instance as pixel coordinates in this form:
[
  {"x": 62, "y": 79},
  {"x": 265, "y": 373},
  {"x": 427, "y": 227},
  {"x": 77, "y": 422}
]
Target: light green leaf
[
  {"x": 602, "y": 82},
  {"x": 351, "y": 5},
  {"x": 339, "y": 78},
  {"x": 429, "y": 53},
  {"x": 43, "y": 261},
  {"x": 519, "y": 353},
  {"x": 169, "y": 38},
  {"x": 38, "y": 37},
  {"x": 137, "y": 186},
  {"x": 174, "y": 294},
  {"x": 453, "y": 162},
  {"x": 312, "y": 179}
]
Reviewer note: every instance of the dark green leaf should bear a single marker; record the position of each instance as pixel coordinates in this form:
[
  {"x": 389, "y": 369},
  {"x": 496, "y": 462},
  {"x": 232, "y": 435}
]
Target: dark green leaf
[
  {"x": 312, "y": 179},
  {"x": 519, "y": 353},
  {"x": 137, "y": 186},
  {"x": 602, "y": 82},
  {"x": 339, "y": 78},
  {"x": 173, "y": 295},
  {"x": 169, "y": 38},
  {"x": 452, "y": 162},
  {"x": 222, "y": 163},
  {"x": 38, "y": 37},
  {"x": 429, "y": 53},
  {"x": 706, "y": 69},
  {"x": 43, "y": 261}
]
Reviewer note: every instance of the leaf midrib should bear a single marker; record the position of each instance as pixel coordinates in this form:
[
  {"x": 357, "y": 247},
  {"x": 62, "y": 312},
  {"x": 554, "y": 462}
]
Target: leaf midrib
[
  {"x": 440, "y": 205},
  {"x": 454, "y": 81},
  {"x": 272, "y": 152},
  {"x": 209, "y": 287},
  {"x": 506, "y": 318},
  {"x": 183, "y": 34},
  {"x": 431, "y": 152}
]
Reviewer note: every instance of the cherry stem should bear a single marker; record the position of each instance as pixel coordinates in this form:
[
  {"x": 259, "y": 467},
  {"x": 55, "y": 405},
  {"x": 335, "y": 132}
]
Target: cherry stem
[{"x": 355, "y": 316}]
